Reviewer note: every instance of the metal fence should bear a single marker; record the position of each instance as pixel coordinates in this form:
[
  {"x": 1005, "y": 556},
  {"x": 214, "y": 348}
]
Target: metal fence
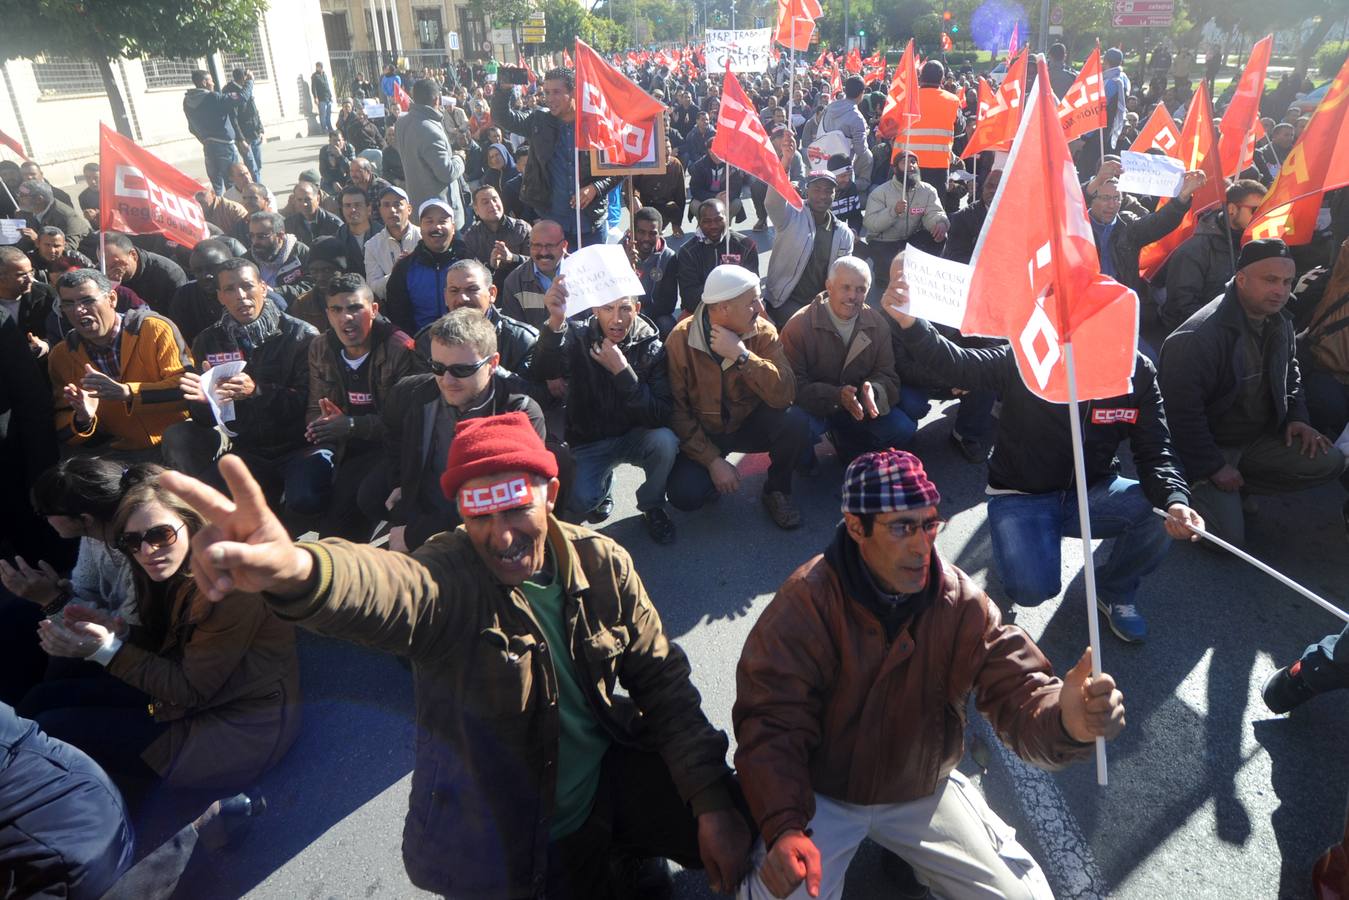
[
  {"x": 168, "y": 73},
  {"x": 254, "y": 59},
  {"x": 61, "y": 76}
]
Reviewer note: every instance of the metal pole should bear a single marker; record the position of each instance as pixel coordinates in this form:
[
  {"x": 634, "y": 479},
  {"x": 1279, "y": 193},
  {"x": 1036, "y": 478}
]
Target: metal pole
[
  {"x": 1084, "y": 524},
  {"x": 1044, "y": 26},
  {"x": 847, "y": 23},
  {"x": 578, "y": 196}
]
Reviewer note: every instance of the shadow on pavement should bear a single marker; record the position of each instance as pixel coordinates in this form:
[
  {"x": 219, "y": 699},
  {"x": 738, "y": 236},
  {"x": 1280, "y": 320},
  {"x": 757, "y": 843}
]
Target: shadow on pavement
[{"x": 355, "y": 742}]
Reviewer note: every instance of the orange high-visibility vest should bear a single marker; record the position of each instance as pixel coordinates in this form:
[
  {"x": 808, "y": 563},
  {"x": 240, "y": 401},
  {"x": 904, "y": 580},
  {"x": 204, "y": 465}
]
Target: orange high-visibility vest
[{"x": 931, "y": 136}]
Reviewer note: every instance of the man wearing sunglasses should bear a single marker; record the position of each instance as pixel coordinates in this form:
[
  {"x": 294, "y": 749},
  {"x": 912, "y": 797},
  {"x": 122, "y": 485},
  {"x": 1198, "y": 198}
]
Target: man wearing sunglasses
[
  {"x": 1201, "y": 267},
  {"x": 465, "y": 382},
  {"x": 850, "y": 704}
]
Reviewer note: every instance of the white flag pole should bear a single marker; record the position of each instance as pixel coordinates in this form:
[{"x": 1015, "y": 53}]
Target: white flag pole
[
  {"x": 1084, "y": 524},
  {"x": 1267, "y": 569},
  {"x": 729, "y": 217},
  {"x": 578, "y": 199}
]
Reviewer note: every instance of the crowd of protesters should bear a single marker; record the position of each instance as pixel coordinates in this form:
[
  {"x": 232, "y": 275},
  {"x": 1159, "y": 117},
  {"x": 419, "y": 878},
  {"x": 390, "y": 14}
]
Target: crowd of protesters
[{"x": 381, "y": 354}]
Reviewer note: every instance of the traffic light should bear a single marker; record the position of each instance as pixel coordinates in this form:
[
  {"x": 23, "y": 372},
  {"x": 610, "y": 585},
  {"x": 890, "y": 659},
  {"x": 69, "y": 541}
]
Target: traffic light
[
  {"x": 955, "y": 28},
  {"x": 946, "y": 16},
  {"x": 861, "y": 32}
]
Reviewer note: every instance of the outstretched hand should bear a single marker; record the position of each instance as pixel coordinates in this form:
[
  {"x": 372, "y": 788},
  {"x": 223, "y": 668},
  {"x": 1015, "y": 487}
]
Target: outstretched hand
[{"x": 243, "y": 546}]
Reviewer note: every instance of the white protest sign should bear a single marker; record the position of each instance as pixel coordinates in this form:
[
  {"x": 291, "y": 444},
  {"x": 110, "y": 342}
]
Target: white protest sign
[
  {"x": 210, "y": 380},
  {"x": 597, "y": 275},
  {"x": 938, "y": 288},
  {"x": 746, "y": 49},
  {"x": 10, "y": 230},
  {"x": 1151, "y": 174},
  {"x": 372, "y": 108}
]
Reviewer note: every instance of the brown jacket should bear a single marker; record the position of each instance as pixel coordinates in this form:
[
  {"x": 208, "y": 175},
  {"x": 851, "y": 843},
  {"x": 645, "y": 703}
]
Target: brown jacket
[
  {"x": 715, "y": 398},
  {"x": 227, "y": 680},
  {"x": 825, "y": 704},
  {"x": 391, "y": 358},
  {"x": 823, "y": 364},
  {"x": 487, "y": 693}
]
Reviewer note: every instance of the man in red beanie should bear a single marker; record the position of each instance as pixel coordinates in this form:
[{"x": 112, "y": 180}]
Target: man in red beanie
[
  {"x": 531, "y": 775},
  {"x": 851, "y": 695}
]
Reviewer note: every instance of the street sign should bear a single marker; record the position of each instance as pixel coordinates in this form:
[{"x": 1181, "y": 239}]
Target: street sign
[
  {"x": 1056, "y": 16},
  {"x": 1141, "y": 21},
  {"x": 533, "y": 31},
  {"x": 532, "y": 39},
  {"x": 537, "y": 16},
  {"x": 454, "y": 40},
  {"x": 487, "y": 46},
  {"x": 1149, "y": 7},
  {"x": 500, "y": 36}
]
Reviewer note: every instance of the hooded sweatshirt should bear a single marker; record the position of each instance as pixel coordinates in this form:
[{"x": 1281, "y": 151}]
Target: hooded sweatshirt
[{"x": 208, "y": 115}]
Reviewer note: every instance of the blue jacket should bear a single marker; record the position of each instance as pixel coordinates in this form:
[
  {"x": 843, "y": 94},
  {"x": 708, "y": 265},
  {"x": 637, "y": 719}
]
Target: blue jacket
[
  {"x": 64, "y": 830},
  {"x": 416, "y": 288},
  {"x": 209, "y": 114}
]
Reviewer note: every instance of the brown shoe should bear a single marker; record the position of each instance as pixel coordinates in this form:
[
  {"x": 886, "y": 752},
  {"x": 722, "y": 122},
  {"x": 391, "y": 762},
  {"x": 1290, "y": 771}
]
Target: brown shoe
[{"x": 782, "y": 510}]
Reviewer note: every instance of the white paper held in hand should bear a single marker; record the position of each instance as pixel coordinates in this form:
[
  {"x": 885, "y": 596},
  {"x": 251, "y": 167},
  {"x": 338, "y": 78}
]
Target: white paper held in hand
[
  {"x": 597, "y": 275},
  {"x": 10, "y": 230},
  {"x": 1150, "y": 174},
  {"x": 210, "y": 380},
  {"x": 938, "y": 288}
]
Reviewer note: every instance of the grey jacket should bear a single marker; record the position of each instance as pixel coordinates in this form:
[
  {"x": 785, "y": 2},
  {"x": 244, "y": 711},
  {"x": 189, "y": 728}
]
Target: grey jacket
[
  {"x": 792, "y": 244},
  {"x": 430, "y": 167}
]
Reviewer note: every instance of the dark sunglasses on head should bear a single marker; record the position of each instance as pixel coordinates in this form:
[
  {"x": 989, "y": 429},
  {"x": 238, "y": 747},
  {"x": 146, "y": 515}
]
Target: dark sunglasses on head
[
  {"x": 156, "y": 537},
  {"x": 456, "y": 370}
]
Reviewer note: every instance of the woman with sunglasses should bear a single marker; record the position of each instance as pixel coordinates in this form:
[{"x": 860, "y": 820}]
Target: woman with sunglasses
[
  {"x": 201, "y": 694},
  {"x": 79, "y": 499}
]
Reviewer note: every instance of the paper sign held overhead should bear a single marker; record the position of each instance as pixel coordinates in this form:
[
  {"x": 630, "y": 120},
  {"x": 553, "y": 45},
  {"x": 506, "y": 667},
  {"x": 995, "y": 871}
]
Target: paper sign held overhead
[
  {"x": 747, "y": 50},
  {"x": 597, "y": 275},
  {"x": 1151, "y": 174}
]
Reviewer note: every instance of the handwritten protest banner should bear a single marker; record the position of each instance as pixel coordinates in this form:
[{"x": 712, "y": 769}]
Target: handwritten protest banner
[
  {"x": 372, "y": 108},
  {"x": 597, "y": 275},
  {"x": 10, "y": 230},
  {"x": 1150, "y": 174},
  {"x": 938, "y": 288},
  {"x": 746, "y": 49}
]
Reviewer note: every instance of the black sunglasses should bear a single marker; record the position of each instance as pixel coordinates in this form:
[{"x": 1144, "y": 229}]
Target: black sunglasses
[
  {"x": 456, "y": 370},
  {"x": 156, "y": 537}
]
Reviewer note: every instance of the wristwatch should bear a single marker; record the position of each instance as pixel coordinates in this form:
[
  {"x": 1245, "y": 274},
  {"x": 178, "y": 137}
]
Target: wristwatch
[{"x": 742, "y": 358}]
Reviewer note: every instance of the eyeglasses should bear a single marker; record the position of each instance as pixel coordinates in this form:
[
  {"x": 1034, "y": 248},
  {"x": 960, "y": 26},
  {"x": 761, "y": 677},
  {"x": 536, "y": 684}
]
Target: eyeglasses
[
  {"x": 85, "y": 302},
  {"x": 156, "y": 537},
  {"x": 907, "y": 528},
  {"x": 456, "y": 370}
]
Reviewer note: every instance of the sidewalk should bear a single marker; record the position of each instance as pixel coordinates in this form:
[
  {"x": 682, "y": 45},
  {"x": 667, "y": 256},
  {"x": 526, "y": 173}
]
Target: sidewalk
[{"x": 282, "y": 163}]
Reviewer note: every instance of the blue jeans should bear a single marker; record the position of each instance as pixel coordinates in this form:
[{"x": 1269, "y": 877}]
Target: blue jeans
[
  {"x": 974, "y": 416},
  {"x": 219, "y": 157},
  {"x": 1325, "y": 665},
  {"x": 894, "y": 429},
  {"x": 309, "y": 482},
  {"x": 1028, "y": 531},
  {"x": 326, "y": 115},
  {"x": 253, "y": 158},
  {"x": 653, "y": 449}
]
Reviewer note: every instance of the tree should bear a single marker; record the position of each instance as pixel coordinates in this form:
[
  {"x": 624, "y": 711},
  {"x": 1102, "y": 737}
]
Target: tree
[{"x": 102, "y": 31}]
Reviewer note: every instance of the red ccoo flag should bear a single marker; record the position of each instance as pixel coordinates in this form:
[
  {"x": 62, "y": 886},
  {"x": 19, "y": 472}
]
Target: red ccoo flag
[
  {"x": 12, "y": 144},
  {"x": 853, "y": 62},
  {"x": 796, "y": 23},
  {"x": 1242, "y": 114},
  {"x": 1082, "y": 108},
  {"x": 1318, "y": 162},
  {"x": 566, "y": 59},
  {"x": 1014, "y": 43},
  {"x": 998, "y": 124},
  {"x": 400, "y": 97},
  {"x": 1158, "y": 132},
  {"x": 139, "y": 193},
  {"x": 901, "y": 105},
  {"x": 1038, "y": 226},
  {"x": 602, "y": 91},
  {"x": 741, "y": 141},
  {"x": 1198, "y": 150}
]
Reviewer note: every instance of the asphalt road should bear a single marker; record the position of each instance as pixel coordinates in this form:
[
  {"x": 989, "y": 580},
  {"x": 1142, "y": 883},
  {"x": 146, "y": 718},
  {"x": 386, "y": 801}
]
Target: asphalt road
[{"x": 1209, "y": 795}]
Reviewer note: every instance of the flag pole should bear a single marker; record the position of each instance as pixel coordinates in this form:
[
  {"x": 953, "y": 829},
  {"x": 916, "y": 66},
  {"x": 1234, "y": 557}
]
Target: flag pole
[
  {"x": 10, "y": 195},
  {"x": 729, "y": 216},
  {"x": 1267, "y": 569},
  {"x": 578, "y": 196},
  {"x": 1084, "y": 525},
  {"x": 791, "y": 72}
]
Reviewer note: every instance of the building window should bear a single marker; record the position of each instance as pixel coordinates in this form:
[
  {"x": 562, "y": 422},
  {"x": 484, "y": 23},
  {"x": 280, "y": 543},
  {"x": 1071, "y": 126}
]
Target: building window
[
  {"x": 254, "y": 59},
  {"x": 429, "y": 35},
  {"x": 336, "y": 31},
  {"x": 63, "y": 75},
  {"x": 168, "y": 73}
]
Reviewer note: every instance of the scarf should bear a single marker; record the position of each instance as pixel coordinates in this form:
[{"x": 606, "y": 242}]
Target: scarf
[
  {"x": 893, "y": 610},
  {"x": 251, "y": 336}
]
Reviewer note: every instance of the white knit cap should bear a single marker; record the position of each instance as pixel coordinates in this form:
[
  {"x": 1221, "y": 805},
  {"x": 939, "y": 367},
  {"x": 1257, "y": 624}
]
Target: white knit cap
[{"x": 727, "y": 282}]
